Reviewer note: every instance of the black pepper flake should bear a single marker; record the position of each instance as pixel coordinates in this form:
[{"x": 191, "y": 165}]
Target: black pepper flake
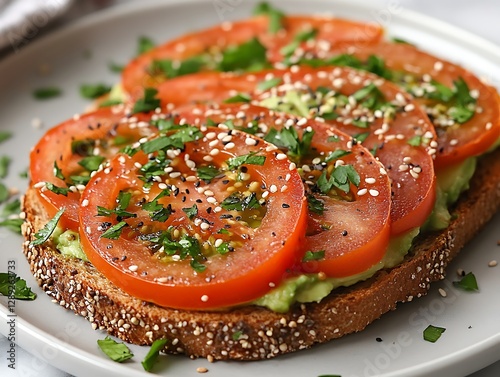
[
  {"x": 124, "y": 258},
  {"x": 197, "y": 184},
  {"x": 187, "y": 191},
  {"x": 284, "y": 205},
  {"x": 273, "y": 234},
  {"x": 199, "y": 201},
  {"x": 183, "y": 199},
  {"x": 378, "y": 339},
  {"x": 209, "y": 210}
]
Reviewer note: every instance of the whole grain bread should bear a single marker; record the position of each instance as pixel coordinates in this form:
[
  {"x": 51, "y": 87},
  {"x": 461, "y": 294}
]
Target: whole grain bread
[{"x": 252, "y": 333}]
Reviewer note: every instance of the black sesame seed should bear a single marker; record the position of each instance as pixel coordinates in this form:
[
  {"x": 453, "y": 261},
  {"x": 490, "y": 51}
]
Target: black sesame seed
[
  {"x": 284, "y": 205},
  {"x": 344, "y": 233}
]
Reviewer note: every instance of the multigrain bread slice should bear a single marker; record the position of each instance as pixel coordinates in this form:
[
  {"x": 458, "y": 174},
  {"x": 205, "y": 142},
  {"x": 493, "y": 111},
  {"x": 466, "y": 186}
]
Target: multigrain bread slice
[{"x": 251, "y": 333}]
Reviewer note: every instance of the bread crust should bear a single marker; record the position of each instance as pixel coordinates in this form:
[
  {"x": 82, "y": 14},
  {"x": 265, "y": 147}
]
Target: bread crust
[{"x": 253, "y": 333}]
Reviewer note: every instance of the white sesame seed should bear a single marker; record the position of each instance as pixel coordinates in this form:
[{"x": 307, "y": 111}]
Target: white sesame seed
[
  {"x": 370, "y": 180},
  {"x": 85, "y": 202},
  {"x": 273, "y": 189},
  {"x": 362, "y": 192},
  {"x": 281, "y": 156},
  {"x": 438, "y": 66},
  {"x": 373, "y": 192},
  {"x": 207, "y": 158},
  {"x": 211, "y": 200},
  {"x": 204, "y": 298},
  {"x": 204, "y": 226},
  {"x": 250, "y": 141},
  {"x": 492, "y": 263},
  {"x": 214, "y": 152},
  {"x": 230, "y": 145},
  {"x": 175, "y": 174},
  {"x": 488, "y": 126},
  {"x": 133, "y": 268},
  {"x": 442, "y": 292}
]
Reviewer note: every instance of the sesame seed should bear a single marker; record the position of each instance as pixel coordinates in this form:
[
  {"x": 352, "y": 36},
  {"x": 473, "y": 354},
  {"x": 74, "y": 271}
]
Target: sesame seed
[
  {"x": 85, "y": 202},
  {"x": 488, "y": 126},
  {"x": 204, "y": 298},
  {"x": 214, "y": 152},
  {"x": 202, "y": 370},
  {"x": 211, "y": 200},
  {"x": 273, "y": 189},
  {"x": 204, "y": 226},
  {"x": 442, "y": 292},
  {"x": 373, "y": 192},
  {"x": 492, "y": 263},
  {"x": 281, "y": 156},
  {"x": 250, "y": 141},
  {"x": 438, "y": 66},
  {"x": 370, "y": 180},
  {"x": 133, "y": 268},
  {"x": 362, "y": 192}
]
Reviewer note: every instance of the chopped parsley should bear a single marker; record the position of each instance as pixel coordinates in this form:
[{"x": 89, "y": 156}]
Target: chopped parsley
[
  {"x": 289, "y": 139},
  {"x": 118, "y": 352},
  {"x": 147, "y": 103},
  {"x": 12, "y": 224},
  {"x": 44, "y": 234},
  {"x": 58, "y": 172},
  {"x": 268, "y": 84},
  {"x": 115, "y": 231},
  {"x": 91, "y": 163},
  {"x": 237, "y": 98},
  {"x": 313, "y": 255},
  {"x": 94, "y": 91},
  {"x": 336, "y": 154},
  {"x": 5, "y": 135},
  {"x": 83, "y": 147},
  {"x": 185, "y": 247},
  {"x": 4, "y": 193},
  {"x": 191, "y": 212},
  {"x": 47, "y": 92},
  {"x": 361, "y": 137},
  {"x": 468, "y": 283},
  {"x": 302, "y": 36},
  {"x": 247, "y": 159},
  {"x": 239, "y": 202},
  {"x": 315, "y": 205},
  {"x": 275, "y": 16},
  {"x": 14, "y": 207},
  {"x": 184, "y": 134},
  {"x": 153, "y": 354},
  {"x": 56, "y": 189},
  {"x": 171, "y": 69},
  {"x": 415, "y": 141},
  {"x": 21, "y": 290},
  {"x": 248, "y": 56},
  {"x": 433, "y": 333},
  {"x": 114, "y": 67},
  {"x": 341, "y": 178},
  {"x": 207, "y": 173},
  {"x": 223, "y": 248},
  {"x": 144, "y": 45},
  {"x": 4, "y": 166}
]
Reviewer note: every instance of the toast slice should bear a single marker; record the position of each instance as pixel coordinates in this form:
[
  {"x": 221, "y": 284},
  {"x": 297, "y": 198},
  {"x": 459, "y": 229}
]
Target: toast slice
[{"x": 250, "y": 332}]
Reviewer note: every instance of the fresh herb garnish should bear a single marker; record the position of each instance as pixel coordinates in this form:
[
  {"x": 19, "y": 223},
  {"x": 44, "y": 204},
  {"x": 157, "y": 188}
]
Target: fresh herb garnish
[
  {"x": 58, "y": 172},
  {"x": 177, "y": 140},
  {"x": 56, "y": 189},
  {"x": 289, "y": 139},
  {"x": 302, "y": 36},
  {"x": 361, "y": 137},
  {"x": 4, "y": 193},
  {"x": 223, "y": 248},
  {"x": 156, "y": 210},
  {"x": 47, "y": 92},
  {"x": 238, "y": 202},
  {"x": 153, "y": 353},
  {"x": 207, "y": 173},
  {"x": 44, "y": 234},
  {"x": 144, "y": 45},
  {"x": 315, "y": 205},
  {"x": 268, "y": 84},
  {"x": 336, "y": 154},
  {"x": 191, "y": 212},
  {"x": 147, "y": 103},
  {"x": 5, "y": 135},
  {"x": 115, "y": 231},
  {"x": 415, "y": 141},
  {"x": 118, "y": 352},
  {"x": 94, "y": 91},
  {"x": 80, "y": 179},
  {"x": 21, "y": 290},
  {"x": 313, "y": 255},
  {"x": 12, "y": 224},
  {"x": 433, "y": 333},
  {"x": 83, "y": 147},
  {"x": 248, "y": 56},
  {"x": 4, "y": 166},
  {"x": 91, "y": 163},
  {"x": 247, "y": 159},
  {"x": 114, "y": 67},
  {"x": 171, "y": 69},
  {"x": 401, "y": 40},
  {"x": 341, "y": 178},
  {"x": 468, "y": 283},
  {"x": 12, "y": 208},
  {"x": 275, "y": 16},
  {"x": 237, "y": 98}
]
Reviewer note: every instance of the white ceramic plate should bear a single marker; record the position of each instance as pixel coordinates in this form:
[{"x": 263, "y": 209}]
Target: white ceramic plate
[{"x": 81, "y": 53}]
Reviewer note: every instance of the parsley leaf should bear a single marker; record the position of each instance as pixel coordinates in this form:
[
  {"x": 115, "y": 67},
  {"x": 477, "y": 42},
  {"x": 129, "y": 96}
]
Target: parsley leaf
[
  {"x": 268, "y": 84},
  {"x": 94, "y": 91},
  {"x": 207, "y": 173},
  {"x": 148, "y": 103},
  {"x": 247, "y": 159},
  {"x": 315, "y": 205},
  {"x": 336, "y": 154},
  {"x": 313, "y": 255},
  {"x": 118, "y": 352},
  {"x": 12, "y": 224},
  {"x": 191, "y": 212},
  {"x": 21, "y": 290},
  {"x": 4, "y": 166},
  {"x": 341, "y": 178},
  {"x": 415, "y": 141},
  {"x": 56, "y": 189},
  {"x": 57, "y": 171},
  {"x": 289, "y": 139},
  {"x": 238, "y": 202},
  {"x": 44, "y": 234},
  {"x": 248, "y": 56},
  {"x": 115, "y": 231},
  {"x": 47, "y": 92},
  {"x": 4, "y": 193},
  {"x": 153, "y": 353},
  {"x": 275, "y": 16},
  {"x": 14, "y": 207},
  {"x": 433, "y": 333},
  {"x": 237, "y": 98},
  {"x": 144, "y": 45},
  {"x": 83, "y": 147},
  {"x": 468, "y": 283},
  {"x": 171, "y": 69},
  {"x": 114, "y": 67},
  {"x": 5, "y": 135},
  {"x": 91, "y": 163}
]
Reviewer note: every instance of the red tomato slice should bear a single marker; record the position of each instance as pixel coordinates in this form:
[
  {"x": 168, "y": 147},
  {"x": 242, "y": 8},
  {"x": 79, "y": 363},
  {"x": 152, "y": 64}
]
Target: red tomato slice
[
  {"x": 208, "y": 45},
  {"x": 417, "y": 71},
  {"x": 410, "y": 167},
  {"x": 100, "y": 133},
  {"x": 224, "y": 233},
  {"x": 352, "y": 229}
]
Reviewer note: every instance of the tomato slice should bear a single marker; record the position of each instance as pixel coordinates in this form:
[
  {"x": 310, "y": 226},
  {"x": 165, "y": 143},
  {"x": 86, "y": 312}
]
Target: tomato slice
[
  {"x": 208, "y": 218},
  {"x": 464, "y": 110},
  {"x": 349, "y": 228},
  {"x": 91, "y": 137},
  {"x": 202, "y": 50},
  {"x": 403, "y": 139}
]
